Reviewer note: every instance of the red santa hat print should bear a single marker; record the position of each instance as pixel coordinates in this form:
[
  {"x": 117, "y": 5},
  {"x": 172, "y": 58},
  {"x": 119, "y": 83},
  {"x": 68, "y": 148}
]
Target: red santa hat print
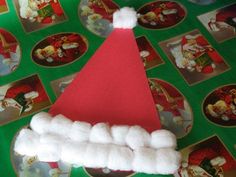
[{"x": 106, "y": 118}]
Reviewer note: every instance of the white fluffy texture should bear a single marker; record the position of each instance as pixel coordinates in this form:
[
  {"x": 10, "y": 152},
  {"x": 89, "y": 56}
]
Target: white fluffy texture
[
  {"x": 119, "y": 134},
  {"x": 163, "y": 139},
  {"x": 27, "y": 143},
  {"x": 51, "y": 138},
  {"x": 60, "y": 125},
  {"x": 117, "y": 148},
  {"x": 125, "y": 18},
  {"x": 100, "y": 133},
  {"x": 80, "y": 131},
  {"x": 120, "y": 158},
  {"x": 49, "y": 152},
  {"x": 145, "y": 160},
  {"x": 40, "y": 122},
  {"x": 168, "y": 161},
  {"x": 137, "y": 137},
  {"x": 96, "y": 155},
  {"x": 73, "y": 152}
]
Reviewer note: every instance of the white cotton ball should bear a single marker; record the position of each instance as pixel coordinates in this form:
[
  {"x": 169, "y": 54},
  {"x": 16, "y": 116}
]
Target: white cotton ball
[
  {"x": 137, "y": 137},
  {"x": 40, "y": 122},
  {"x": 163, "y": 139},
  {"x": 60, "y": 125},
  {"x": 73, "y": 152},
  {"x": 96, "y": 155},
  {"x": 125, "y": 18},
  {"x": 119, "y": 134},
  {"x": 120, "y": 158},
  {"x": 80, "y": 131},
  {"x": 27, "y": 143},
  {"x": 49, "y": 152},
  {"x": 51, "y": 138},
  {"x": 168, "y": 161},
  {"x": 144, "y": 160},
  {"x": 100, "y": 133}
]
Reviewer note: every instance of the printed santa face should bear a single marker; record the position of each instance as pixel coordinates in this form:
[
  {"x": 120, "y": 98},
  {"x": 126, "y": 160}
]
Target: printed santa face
[
  {"x": 161, "y": 14},
  {"x": 59, "y": 49},
  {"x": 220, "y": 106},
  {"x": 96, "y": 15},
  {"x": 3, "y": 6},
  {"x": 35, "y": 14},
  {"x": 221, "y": 23},
  {"x": 10, "y": 53},
  {"x": 148, "y": 54},
  {"x": 173, "y": 108},
  {"x": 206, "y": 159},
  {"x": 194, "y": 57},
  {"x": 28, "y": 166},
  {"x": 21, "y": 98}
]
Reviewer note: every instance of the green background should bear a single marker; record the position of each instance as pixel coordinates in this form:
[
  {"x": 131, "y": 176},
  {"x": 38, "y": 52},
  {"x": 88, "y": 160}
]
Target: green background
[{"x": 202, "y": 128}]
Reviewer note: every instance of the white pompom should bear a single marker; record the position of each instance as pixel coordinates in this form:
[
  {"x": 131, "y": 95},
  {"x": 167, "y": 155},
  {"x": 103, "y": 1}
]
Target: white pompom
[
  {"x": 125, "y": 18},
  {"x": 49, "y": 152},
  {"x": 96, "y": 155},
  {"x": 27, "y": 143},
  {"x": 40, "y": 122},
  {"x": 100, "y": 133},
  {"x": 61, "y": 125},
  {"x": 168, "y": 161},
  {"x": 163, "y": 139},
  {"x": 144, "y": 160},
  {"x": 120, "y": 158},
  {"x": 51, "y": 138},
  {"x": 119, "y": 134},
  {"x": 73, "y": 153},
  {"x": 80, "y": 131},
  {"x": 137, "y": 137}
]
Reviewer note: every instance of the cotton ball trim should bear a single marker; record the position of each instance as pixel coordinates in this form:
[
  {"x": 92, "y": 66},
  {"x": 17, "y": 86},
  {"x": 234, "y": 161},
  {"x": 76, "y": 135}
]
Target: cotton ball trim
[
  {"x": 163, "y": 139},
  {"x": 27, "y": 143},
  {"x": 80, "y": 131},
  {"x": 168, "y": 161},
  {"x": 137, "y": 137},
  {"x": 119, "y": 134},
  {"x": 40, "y": 122},
  {"x": 145, "y": 160},
  {"x": 60, "y": 125},
  {"x": 100, "y": 133},
  {"x": 125, "y": 18}
]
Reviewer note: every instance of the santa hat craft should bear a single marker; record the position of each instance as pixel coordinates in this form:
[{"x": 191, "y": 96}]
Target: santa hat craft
[{"x": 106, "y": 117}]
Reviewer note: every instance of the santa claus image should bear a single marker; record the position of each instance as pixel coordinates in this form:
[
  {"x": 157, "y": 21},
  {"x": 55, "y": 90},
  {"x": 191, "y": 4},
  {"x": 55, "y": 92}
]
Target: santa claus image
[
  {"x": 9, "y": 52},
  {"x": 224, "y": 108},
  {"x": 30, "y": 166},
  {"x": 22, "y": 98},
  {"x": 195, "y": 54},
  {"x": 96, "y": 15},
  {"x": 207, "y": 159},
  {"x": 59, "y": 49},
  {"x": 227, "y": 15},
  {"x": 161, "y": 14},
  {"x": 43, "y": 11},
  {"x": 173, "y": 108}
]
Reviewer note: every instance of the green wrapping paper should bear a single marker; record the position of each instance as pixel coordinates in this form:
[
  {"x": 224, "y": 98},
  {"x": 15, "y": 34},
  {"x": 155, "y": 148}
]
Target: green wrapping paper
[{"x": 188, "y": 52}]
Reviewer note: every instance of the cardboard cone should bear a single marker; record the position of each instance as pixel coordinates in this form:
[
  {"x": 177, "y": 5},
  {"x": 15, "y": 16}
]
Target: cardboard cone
[{"x": 112, "y": 87}]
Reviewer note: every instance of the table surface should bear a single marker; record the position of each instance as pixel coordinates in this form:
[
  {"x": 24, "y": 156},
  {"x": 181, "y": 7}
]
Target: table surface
[{"x": 188, "y": 52}]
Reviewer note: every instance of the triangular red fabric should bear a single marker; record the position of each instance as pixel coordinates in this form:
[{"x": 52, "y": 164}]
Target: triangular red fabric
[{"x": 112, "y": 87}]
